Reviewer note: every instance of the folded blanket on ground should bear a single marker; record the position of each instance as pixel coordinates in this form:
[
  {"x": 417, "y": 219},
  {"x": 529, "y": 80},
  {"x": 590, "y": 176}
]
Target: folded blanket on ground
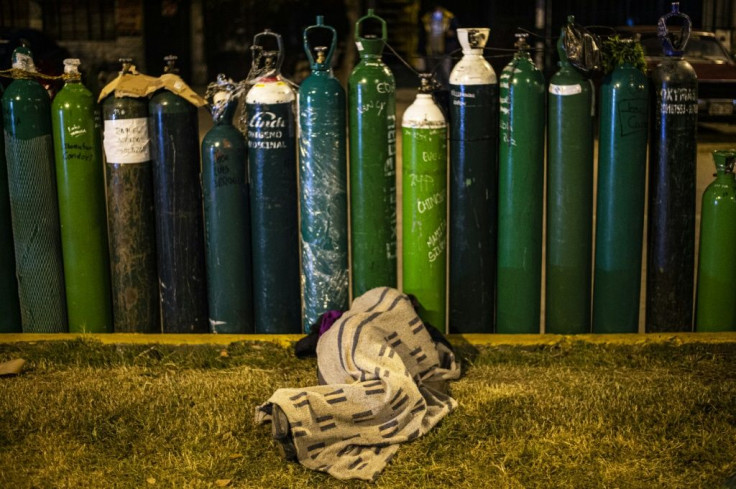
[{"x": 383, "y": 382}]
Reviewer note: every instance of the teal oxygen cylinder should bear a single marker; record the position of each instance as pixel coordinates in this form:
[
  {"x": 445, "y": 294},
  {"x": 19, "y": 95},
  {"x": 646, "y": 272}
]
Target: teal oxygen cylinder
[
  {"x": 424, "y": 193},
  {"x": 473, "y": 187},
  {"x": 34, "y": 202},
  {"x": 520, "y": 194},
  {"x": 10, "y": 321},
  {"x": 323, "y": 184},
  {"x": 372, "y": 119},
  {"x": 270, "y": 108},
  {"x": 569, "y": 199},
  {"x": 622, "y": 159},
  {"x": 227, "y": 216}
]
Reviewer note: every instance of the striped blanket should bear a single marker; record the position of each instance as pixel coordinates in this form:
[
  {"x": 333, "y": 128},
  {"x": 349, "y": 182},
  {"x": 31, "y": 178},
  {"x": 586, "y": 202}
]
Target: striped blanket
[{"x": 383, "y": 382}]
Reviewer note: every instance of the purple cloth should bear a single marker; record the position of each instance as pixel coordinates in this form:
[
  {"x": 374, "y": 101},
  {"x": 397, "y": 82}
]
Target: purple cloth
[{"x": 327, "y": 320}]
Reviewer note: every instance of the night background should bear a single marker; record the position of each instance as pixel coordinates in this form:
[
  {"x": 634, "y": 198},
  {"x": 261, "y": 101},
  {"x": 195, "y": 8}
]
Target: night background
[{"x": 211, "y": 37}]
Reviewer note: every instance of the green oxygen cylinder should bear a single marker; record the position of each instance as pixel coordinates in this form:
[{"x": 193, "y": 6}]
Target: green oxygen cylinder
[
  {"x": 569, "y": 199},
  {"x": 227, "y": 216},
  {"x": 520, "y": 194},
  {"x": 80, "y": 184},
  {"x": 672, "y": 177},
  {"x": 130, "y": 212},
  {"x": 270, "y": 108},
  {"x": 323, "y": 183},
  {"x": 372, "y": 119},
  {"x": 10, "y": 321},
  {"x": 473, "y": 186},
  {"x": 424, "y": 200},
  {"x": 174, "y": 128},
  {"x": 716, "y": 298},
  {"x": 34, "y": 202},
  {"x": 622, "y": 159}
]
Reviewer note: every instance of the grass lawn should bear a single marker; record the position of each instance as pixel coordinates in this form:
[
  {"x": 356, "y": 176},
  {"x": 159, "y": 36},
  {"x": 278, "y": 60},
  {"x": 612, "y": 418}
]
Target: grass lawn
[{"x": 575, "y": 414}]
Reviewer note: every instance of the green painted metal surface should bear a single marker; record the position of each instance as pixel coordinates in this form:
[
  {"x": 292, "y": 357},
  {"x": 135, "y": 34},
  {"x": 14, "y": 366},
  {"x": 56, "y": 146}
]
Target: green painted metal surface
[
  {"x": 81, "y": 189},
  {"x": 569, "y": 200},
  {"x": 34, "y": 202},
  {"x": 227, "y": 226},
  {"x": 323, "y": 185},
  {"x": 520, "y": 194},
  {"x": 10, "y": 321},
  {"x": 372, "y": 120},
  {"x": 716, "y": 297},
  {"x": 424, "y": 206},
  {"x": 622, "y": 162}
]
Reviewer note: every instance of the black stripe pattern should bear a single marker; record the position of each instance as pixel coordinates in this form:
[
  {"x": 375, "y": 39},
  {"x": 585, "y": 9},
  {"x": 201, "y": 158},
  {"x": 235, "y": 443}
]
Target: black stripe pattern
[{"x": 381, "y": 354}]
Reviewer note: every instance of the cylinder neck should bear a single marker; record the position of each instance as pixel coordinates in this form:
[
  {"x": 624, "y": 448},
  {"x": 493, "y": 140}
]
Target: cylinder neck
[
  {"x": 564, "y": 62},
  {"x": 370, "y": 48},
  {"x": 22, "y": 59},
  {"x": 71, "y": 71},
  {"x": 126, "y": 66},
  {"x": 225, "y": 118},
  {"x": 472, "y": 53},
  {"x": 724, "y": 161},
  {"x": 522, "y": 55},
  {"x": 473, "y": 40}
]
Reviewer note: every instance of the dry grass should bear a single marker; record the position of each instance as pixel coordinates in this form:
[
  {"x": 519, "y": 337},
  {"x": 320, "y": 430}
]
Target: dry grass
[{"x": 87, "y": 415}]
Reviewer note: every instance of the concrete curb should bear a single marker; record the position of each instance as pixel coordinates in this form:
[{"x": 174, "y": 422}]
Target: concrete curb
[{"x": 467, "y": 339}]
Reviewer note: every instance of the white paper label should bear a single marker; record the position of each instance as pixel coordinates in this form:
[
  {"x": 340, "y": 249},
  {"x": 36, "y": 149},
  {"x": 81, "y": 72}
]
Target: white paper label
[
  {"x": 126, "y": 141},
  {"x": 359, "y": 45},
  {"x": 565, "y": 89}
]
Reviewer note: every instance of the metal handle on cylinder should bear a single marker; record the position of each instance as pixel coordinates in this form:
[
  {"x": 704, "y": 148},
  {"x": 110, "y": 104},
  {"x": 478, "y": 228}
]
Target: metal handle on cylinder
[{"x": 671, "y": 43}]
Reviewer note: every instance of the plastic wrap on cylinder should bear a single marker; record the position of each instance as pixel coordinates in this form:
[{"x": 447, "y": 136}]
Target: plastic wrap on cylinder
[
  {"x": 323, "y": 184},
  {"x": 324, "y": 217}
]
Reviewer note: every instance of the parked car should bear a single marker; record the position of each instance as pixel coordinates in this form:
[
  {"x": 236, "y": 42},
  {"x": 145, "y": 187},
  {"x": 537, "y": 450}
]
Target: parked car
[{"x": 714, "y": 66}]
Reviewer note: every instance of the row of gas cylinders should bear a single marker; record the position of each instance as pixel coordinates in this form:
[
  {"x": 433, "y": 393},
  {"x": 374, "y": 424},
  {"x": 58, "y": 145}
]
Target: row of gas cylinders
[{"x": 255, "y": 239}]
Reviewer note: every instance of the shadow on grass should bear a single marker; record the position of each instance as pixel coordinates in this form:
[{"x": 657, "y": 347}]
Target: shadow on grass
[
  {"x": 573, "y": 414},
  {"x": 465, "y": 353}
]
